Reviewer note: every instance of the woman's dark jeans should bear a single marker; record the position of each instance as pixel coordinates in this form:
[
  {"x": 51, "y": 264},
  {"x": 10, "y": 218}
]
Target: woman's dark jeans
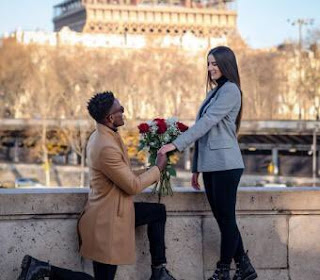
[{"x": 221, "y": 189}]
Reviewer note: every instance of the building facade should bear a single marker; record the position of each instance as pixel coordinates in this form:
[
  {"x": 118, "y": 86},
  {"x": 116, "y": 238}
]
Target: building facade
[{"x": 213, "y": 18}]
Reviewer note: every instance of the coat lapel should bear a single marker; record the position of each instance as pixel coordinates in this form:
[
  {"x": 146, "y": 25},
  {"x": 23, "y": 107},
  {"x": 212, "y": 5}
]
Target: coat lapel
[
  {"x": 108, "y": 132},
  {"x": 124, "y": 150}
]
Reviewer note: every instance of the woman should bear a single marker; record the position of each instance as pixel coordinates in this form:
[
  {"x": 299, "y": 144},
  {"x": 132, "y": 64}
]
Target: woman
[{"x": 218, "y": 156}]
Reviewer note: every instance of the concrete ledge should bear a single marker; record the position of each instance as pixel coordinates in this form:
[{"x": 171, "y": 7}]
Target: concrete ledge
[
  {"x": 280, "y": 227},
  {"x": 71, "y": 200}
]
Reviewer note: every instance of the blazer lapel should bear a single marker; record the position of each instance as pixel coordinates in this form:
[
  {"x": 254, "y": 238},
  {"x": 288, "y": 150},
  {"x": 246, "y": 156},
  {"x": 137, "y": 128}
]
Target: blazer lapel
[{"x": 205, "y": 108}]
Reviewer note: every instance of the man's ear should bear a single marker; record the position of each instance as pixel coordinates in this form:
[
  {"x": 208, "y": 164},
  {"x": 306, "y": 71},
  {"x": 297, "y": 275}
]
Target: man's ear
[
  {"x": 106, "y": 119},
  {"x": 110, "y": 119}
]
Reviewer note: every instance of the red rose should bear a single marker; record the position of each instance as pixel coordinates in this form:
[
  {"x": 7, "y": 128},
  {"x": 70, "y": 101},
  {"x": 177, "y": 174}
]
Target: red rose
[
  {"x": 182, "y": 127},
  {"x": 162, "y": 126},
  {"x": 159, "y": 120},
  {"x": 143, "y": 128}
]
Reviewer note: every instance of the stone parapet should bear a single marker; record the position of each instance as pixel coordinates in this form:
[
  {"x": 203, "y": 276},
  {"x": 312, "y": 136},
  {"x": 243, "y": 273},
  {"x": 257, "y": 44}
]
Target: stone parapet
[{"x": 280, "y": 228}]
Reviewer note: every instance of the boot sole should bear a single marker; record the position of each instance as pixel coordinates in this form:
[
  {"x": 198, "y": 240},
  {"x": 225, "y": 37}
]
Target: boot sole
[
  {"x": 24, "y": 267},
  {"x": 251, "y": 277}
]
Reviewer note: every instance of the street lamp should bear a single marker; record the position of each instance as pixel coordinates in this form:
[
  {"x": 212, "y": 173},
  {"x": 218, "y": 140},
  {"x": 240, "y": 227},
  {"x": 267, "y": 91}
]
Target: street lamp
[{"x": 300, "y": 22}]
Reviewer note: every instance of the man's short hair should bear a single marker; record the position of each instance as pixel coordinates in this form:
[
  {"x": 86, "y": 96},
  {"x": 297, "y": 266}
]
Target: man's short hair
[{"x": 100, "y": 104}]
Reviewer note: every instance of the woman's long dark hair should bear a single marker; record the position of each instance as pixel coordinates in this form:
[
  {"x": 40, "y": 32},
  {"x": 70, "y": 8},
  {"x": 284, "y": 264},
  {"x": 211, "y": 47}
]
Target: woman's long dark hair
[{"x": 227, "y": 63}]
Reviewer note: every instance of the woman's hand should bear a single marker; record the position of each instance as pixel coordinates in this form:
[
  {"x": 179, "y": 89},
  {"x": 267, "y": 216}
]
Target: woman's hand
[
  {"x": 194, "y": 181},
  {"x": 166, "y": 149}
]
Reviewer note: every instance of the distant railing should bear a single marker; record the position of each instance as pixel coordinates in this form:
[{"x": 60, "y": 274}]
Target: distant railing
[{"x": 246, "y": 125}]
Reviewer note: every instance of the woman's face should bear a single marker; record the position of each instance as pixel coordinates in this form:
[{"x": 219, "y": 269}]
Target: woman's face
[{"x": 213, "y": 68}]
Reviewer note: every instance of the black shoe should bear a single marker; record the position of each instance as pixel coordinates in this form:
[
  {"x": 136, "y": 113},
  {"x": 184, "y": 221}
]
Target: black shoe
[
  {"x": 222, "y": 272},
  {"x": 161, "y": 273},
  {"x": 245, "y": 270},
  {"x": 33, "y": 269}
]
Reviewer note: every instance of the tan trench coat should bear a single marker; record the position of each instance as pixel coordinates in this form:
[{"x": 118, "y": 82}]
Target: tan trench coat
[{"x": 107, "y": 225}]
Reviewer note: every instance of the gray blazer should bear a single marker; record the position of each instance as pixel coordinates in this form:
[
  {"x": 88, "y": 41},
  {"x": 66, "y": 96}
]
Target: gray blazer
[{"x": 215, "y": 130}]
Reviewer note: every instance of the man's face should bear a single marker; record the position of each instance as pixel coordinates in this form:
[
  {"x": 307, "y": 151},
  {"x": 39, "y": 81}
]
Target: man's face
[{"x": 116, "y": 114}]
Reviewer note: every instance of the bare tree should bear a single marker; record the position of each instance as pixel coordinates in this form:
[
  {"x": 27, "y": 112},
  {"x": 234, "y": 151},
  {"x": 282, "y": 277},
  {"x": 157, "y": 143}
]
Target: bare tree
[
  {"x": 44, "y": 93},
  {"x": 15, "y": 65}
]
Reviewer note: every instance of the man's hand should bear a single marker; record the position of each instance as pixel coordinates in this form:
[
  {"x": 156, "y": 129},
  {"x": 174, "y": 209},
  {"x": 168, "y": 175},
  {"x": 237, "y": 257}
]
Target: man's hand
[
  {"x": 161, "y": 161},
  {"x": 166, "y": 149},
  {"x": 194, "y": 181}
]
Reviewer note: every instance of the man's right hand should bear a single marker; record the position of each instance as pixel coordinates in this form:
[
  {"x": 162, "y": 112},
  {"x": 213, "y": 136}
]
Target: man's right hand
[{"x": 161, "y": 161}]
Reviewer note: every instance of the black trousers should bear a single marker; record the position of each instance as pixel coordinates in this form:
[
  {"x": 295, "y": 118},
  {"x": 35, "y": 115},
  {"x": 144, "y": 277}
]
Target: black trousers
[
  {"x": 221, "y": 189},
  {"x": 58, "y": 273},
  {"x": 152, "y": 214}
]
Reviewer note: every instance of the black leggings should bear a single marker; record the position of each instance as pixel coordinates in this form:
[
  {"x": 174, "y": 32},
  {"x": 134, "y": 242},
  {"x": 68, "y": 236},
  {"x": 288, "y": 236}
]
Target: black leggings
[{"x": 221, "y": 189}]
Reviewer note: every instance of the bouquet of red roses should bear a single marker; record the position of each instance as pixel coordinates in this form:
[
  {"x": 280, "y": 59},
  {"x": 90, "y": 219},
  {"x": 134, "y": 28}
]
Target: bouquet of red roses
[{"x": 153, "y": 135}]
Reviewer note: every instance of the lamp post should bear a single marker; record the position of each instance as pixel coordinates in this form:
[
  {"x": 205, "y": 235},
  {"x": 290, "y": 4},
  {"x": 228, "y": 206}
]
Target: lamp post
[
  {"x": 315, "y": 172},
  {"x": 317, "y": 105},
  {"x": 300, "y": 22}
]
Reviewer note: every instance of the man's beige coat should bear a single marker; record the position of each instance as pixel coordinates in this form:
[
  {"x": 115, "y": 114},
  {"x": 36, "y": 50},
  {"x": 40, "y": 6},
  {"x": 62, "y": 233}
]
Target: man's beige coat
[{"x": 107, "y": 225}]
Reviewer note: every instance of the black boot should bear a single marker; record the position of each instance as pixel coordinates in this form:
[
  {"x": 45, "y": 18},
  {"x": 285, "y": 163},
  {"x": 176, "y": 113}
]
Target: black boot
[
  {"x": 245, "y": 270},
  {"x": 222, "y": 272},
  {"x": 33, "y": 269},
  {"x": 160, "y": 273}
]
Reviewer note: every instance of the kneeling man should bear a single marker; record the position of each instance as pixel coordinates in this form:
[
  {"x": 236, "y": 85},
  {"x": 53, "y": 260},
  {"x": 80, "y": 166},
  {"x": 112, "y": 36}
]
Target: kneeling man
[{"x": 107, "y": 225}]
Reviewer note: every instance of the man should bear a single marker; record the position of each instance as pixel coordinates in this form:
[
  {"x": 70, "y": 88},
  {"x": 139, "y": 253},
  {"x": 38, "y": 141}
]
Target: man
[{"x": 107, "y": 225}]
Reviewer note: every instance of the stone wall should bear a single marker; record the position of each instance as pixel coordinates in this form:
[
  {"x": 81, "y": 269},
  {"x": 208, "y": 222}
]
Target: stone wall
[{"x": 280, "y": 228}]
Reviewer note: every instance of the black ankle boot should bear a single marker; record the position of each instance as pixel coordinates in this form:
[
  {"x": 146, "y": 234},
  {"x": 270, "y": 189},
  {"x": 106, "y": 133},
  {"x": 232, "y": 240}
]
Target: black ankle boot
[
  {"x": 160, "y": 273},
  {"x": 222, "y": 272},
  {"x": 245, "y": 270},
  {"x": 33, "y": 269}
]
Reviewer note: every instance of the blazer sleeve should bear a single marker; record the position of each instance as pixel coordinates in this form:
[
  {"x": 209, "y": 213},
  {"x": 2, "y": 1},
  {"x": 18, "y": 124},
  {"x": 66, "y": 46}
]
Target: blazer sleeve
[
  {"x": 119, "y": 172},
  {"x": 229, "y": 97}
]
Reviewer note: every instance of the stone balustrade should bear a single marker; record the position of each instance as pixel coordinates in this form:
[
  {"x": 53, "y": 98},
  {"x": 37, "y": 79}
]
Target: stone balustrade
[{"x": 280, "y": 228}]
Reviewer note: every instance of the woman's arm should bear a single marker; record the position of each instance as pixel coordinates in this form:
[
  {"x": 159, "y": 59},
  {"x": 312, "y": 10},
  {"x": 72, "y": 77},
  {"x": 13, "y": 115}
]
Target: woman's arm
[{"x": 229, "y": 96}]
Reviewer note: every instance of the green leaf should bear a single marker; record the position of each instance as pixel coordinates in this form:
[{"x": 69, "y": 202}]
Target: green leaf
[
  {"x": 172, "y": 171},
  {"x": 152, "y": 158}
]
